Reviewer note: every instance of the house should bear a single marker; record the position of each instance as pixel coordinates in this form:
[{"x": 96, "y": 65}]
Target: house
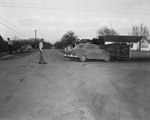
[
  {"x": 129, "y": 40},
  {"x": 122, "y": 39},
  {"x": 143, "y": 45},
  {"x": 136, "y": 42}
]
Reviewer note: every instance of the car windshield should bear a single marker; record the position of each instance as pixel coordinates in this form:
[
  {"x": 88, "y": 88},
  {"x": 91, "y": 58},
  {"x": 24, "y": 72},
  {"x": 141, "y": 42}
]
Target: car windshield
[{"x": 79, "y": 47}]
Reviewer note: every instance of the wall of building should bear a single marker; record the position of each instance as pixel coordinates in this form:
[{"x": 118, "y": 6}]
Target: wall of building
[{"x": 145, "y": 46}]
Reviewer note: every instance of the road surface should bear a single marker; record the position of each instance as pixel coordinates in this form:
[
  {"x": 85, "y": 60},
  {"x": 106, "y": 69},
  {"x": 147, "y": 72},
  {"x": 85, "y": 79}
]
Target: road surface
[{"x": 71, "y": 90}]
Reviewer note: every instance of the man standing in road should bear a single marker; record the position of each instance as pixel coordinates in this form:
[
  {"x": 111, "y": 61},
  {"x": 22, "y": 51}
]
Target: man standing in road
[
  {"x": 10, "y": 44},
  {"x": 41, "y": 56}
]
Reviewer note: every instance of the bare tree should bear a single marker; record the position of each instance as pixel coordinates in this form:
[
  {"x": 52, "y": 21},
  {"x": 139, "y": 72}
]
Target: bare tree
[
  {"x": 103, "y": 31},
  {"x": 140, "y": 30}
]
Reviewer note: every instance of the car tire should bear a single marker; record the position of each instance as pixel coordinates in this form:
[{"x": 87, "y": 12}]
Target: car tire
[
  {"x": 83, "y": 58},
  {"x": 107, "y": 58}
]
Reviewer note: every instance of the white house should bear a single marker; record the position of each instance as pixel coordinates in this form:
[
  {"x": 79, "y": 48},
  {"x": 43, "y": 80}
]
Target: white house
[{"x": 143, "y": 45}]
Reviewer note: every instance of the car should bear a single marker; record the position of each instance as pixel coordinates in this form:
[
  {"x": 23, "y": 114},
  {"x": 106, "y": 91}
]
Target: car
[
  {"x": 84, "y": 51},
  {"x": 25, "y": 48}
]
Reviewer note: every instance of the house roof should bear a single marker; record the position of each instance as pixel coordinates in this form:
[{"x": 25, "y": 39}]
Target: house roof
[
  {"x": 85, "y": 40},
  {"x": 148, "y": 40},
  {"x": 122, "y": 38}
]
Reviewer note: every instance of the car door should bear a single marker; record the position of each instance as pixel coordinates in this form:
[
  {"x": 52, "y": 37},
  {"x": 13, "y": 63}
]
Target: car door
[
  {"x": 93, "y": 52},
  {"x": 98, "y": 52}
]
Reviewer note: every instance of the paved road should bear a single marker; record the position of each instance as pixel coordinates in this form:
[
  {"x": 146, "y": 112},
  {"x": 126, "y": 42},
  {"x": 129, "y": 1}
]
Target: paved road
[{"x": 71, "y": 90}]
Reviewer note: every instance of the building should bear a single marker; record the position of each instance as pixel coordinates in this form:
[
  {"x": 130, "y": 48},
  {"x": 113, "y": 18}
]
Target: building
[
  {"x": 138, "y": 43},
  {"x": 131, "y": 41},
  {"x": 122, "y": 39},
  {"x": 145, "y": 45}
]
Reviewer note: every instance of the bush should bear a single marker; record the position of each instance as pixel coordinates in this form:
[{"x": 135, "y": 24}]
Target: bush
[
  {"x": 59, "y": 45},
  {"x": 18, "y": 43}
]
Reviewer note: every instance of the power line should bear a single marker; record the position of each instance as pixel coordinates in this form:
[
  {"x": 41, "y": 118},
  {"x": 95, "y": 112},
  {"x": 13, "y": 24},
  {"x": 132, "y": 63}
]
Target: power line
[
  {"x": 8, "y": 22},
  {"x": 12, "y": 25},
  {"x": 71, "y": 9},
  {"x": 12, "y": 29}
]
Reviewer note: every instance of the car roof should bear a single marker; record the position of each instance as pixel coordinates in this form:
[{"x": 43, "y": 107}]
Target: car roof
[{"x": 87, "y": 44}]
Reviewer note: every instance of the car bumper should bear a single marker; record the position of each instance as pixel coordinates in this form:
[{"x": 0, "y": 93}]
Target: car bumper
[{"x": 70, "y": 56}]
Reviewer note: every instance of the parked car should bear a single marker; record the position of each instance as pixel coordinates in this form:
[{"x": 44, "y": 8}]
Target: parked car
[
  {"x": 25, "y": 48},
  {"x": 84, "y": 51}
]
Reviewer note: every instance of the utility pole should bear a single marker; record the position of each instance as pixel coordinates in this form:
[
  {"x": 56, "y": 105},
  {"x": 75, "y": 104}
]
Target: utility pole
[
  {"x": 35, "y": 33},
  {"x": 110, "y": 24}
]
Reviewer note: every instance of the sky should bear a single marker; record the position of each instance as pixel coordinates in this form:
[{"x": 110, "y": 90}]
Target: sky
[{"x": 53, "y": 18}]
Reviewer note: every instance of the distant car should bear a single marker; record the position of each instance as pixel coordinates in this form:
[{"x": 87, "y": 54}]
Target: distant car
[
  {"x": 84, "y": 51},
  {"x": 25, "y": 48}
]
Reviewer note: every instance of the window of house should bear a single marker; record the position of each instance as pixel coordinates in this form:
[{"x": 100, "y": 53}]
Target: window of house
[{"x": 131, "y": 45}]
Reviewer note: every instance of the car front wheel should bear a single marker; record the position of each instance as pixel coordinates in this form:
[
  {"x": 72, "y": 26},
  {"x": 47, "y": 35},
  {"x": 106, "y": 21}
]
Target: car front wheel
[
  {"x": 107, "y": 58},
  {"x": 83, "y": 58}
]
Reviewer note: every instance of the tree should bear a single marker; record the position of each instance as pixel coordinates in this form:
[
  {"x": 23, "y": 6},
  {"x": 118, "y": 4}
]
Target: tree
[
  {"x": 140, "y": 30},
  {"x": 2, "y": 44},
  {"x": 1, "y": 39},
  {"x": 69, "y": 38},
  {"x": 58, "y": 45},
  {"x": 103, "y": 31},
  {"x": 15, "y": 38},
  {"x": 98, "y": 41}
]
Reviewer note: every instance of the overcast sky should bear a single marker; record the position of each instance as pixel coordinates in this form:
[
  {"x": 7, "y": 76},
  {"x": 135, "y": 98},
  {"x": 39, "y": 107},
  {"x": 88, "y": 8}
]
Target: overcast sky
[{"x": 53, "y": 18}]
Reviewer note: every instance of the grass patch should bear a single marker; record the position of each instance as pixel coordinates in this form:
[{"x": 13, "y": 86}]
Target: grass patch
[{"x": 15, "y": 55}]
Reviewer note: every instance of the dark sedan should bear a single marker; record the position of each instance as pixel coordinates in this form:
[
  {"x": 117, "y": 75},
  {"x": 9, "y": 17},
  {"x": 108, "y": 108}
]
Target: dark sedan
[{"x": 25, "y": 48}]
